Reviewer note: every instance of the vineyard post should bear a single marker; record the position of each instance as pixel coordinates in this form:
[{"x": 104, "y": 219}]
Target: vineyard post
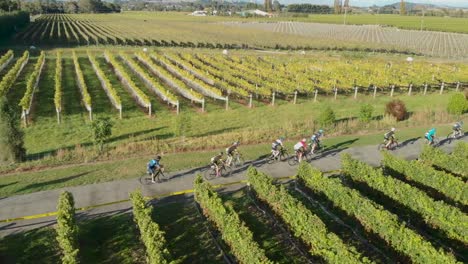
[
  {"x": 315, "y": 96},
  {"x": 120, "y": 112},
  {"x": 375, "y": 91},
  {"x": 336, "y": 92},
  {"x": 177, "y": 106},
  {"x": 393, "y": 89},
  {"x": 25, "y": 118},
  {"x": 355, "y": 92},
  {"x": 273, "y": 99},
  {"x": 227, "y": 102},
  {"x": 425, "y": 88},
  {"x": 149, "y": 110},
  {"x": 458, "y": 87},
  {"x": 90, "y": 114},
  {"x": 203, "y": 105},
  {"x": 442, "y": 86},
  {"x": 295, "y": 97},
  {"x": 410, "y": 89},
  {"x": 58, "y": 115},
  {"x": 250, "y": 100}
]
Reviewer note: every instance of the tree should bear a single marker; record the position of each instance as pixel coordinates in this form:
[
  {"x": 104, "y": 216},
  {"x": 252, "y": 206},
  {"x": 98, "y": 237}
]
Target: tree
[
  {"x": 457, "y": 104},
  {"x": 402, "y": 8},
  {"x": 102, "y": 130},
  {"x": 89, "y": 6},
  {"x": 277, "y": 6},
  {"x": 327, "y": 117},
  {"x": 365, "y": 113},
  {"x": 338, "y": 5},
  {"x": 11, "y": 136}
]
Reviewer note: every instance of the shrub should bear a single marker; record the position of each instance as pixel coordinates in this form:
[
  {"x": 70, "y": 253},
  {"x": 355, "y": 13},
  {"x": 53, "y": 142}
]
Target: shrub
[
  {"x": 102, "y": 130},
  {"x": 365, "y": 113},
  {"x": 11, "y": 136},
  {"x": 458, "y": 104},
  {"x": 327, "y": 117},
  {"x": 397, "y": 109}
]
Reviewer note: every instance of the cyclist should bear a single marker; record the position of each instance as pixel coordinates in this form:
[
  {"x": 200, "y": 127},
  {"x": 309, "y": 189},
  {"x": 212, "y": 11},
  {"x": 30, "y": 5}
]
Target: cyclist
[
  {"x": 315, "y": 140},
  {"x": 430, "y": 136},
  {"x": 457, "y": 128},
  {"x": 230, "y": 151},
  {"x": 389, "y": 137},
  {"x": 216, "y": 161},
  {"x": 276, "y": 147},
  {"x": 300, "y": 148},
  {"x": 153, "y": 167}
]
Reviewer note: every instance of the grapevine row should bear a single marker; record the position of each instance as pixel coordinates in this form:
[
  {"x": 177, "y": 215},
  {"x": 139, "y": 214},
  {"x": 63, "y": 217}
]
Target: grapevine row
[
  {"x": 373, "y": 217},
  {"x": 170, "y": 80},
  {"x": 233, "y": 230},
  {"x": 31, "y": 85},
  {"x": 150, "y": 233},
  {"x": 188, "y": 78},
  {"x": 444, "y": 183},
  {"x": 302, "y": 222},
  {"x": 435, "y": 213},
  {"x": 105, "y": 83},
  {"x": 461, "y": 150},
  {"x": 151, "y": 82},
  {"x": 10, "y": 78},
  {"x": 225, "y": 82},
  {"x": 6, "y": 59},
  {"x": 67, "y": 229},
  {"x": 82, "y": 85},
  {"x": 139, "y": 95}
]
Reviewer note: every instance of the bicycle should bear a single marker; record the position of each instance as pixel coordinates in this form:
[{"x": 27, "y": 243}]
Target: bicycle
[
  {"x": 283, "y": 155},
  {"x": 456, "y": 134},
  {"x": 237, "y": 160},
  {"x": 393, "y": 145},
  {"x": 146, "y": 179},
  {"x": 224, "y": 171},
  {"x": 435, "y": 142},
  {"x": 294, "y": 159}
]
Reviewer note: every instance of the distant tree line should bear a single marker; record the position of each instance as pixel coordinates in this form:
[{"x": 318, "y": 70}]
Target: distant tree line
[
  {"x": 310, "y": 8},
  {"x": 12, "y": 22},
  {"x": 54, "y": 6}
]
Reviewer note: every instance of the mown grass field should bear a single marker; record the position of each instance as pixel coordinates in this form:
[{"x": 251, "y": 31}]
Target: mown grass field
[{"x": 445, "y": 24}]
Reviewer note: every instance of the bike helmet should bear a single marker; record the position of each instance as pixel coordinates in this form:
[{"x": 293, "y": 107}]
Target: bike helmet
[
  {"x": 304, "y": 140},
  {"x": 321, "y": 131},
  {"x": 158, "y": 157},
  {"x": 281, "y": 138},
  {"x": 393, "y": 129},
  {"x": 236, "y": 143}
]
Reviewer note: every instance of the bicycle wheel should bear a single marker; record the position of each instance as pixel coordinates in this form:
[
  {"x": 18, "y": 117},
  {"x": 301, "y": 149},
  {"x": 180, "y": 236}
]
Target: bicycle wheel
[
  {"x": 270, "y": 159},
  {"x": 239, "y": 161},
  {"x": 381, "y": 147},
  {"x": 226, "y": 171},
  {"x": 209, "y": 174},
  {"x": 284, "y": 156},
  {"x": 145, "y": 179},
  {"x": 293, "y": 160}
]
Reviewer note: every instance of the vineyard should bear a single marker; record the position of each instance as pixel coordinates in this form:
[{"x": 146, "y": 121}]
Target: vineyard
[
  {"x": 170, "y": 78},
  {"x": 452, "y": 45},
  {"x": 178, "y": 30},
  {"x": 361, "y": 214}
]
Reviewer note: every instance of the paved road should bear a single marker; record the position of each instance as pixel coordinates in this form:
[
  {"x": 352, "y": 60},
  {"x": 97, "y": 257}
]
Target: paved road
[{"x": 102, "y": 193}]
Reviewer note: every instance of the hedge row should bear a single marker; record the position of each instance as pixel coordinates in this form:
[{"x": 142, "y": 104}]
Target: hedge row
[
  {"x": 67, "y": 230},
  {"x": 150, "y": 233},
  {"x": 303, "y": 223},
  {"x": 435, "y": 213},
  {"x": 233, "y": 230}
]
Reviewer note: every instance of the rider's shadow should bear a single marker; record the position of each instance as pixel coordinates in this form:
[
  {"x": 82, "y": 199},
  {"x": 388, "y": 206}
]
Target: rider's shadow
[
  {"x": 409, "y": 141},
  {"x": 335, "y": 149}
]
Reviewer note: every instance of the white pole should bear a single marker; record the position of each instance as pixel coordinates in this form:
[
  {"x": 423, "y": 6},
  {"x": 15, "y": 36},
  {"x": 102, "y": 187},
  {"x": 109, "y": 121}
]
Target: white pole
[
  {"x": 410, "y": 89},
  {"x": 458, "y": 87},
  {"x": 295, "y": 97},
  {"x": 203, "y": 105},
  {"x": 250, "y": 101},
  {"x": 375, "y": 91},
  {"x": 149, "y": 110},
  {"x": 336, "y": 92},
  {"x": 425, "y": 88},
  {"x": 90, "y": 114},
  {"x": 120, "y": 112},
  {"x": 442, "y": 86},
  {"x": 177, "y": 106},
  {"x": 273, "y": 99},
  {"x": 355, "y": 92},
  {"x": 315, "y": 96},
  {"x": 393, "y": 89},
  {"x": 227, "y": 102},
  {"x": 58, "y": 116}
]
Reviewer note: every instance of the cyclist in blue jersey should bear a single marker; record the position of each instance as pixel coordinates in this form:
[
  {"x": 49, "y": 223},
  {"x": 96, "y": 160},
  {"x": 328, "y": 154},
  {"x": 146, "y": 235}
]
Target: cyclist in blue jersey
[{"x": 153, "y": 167}]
